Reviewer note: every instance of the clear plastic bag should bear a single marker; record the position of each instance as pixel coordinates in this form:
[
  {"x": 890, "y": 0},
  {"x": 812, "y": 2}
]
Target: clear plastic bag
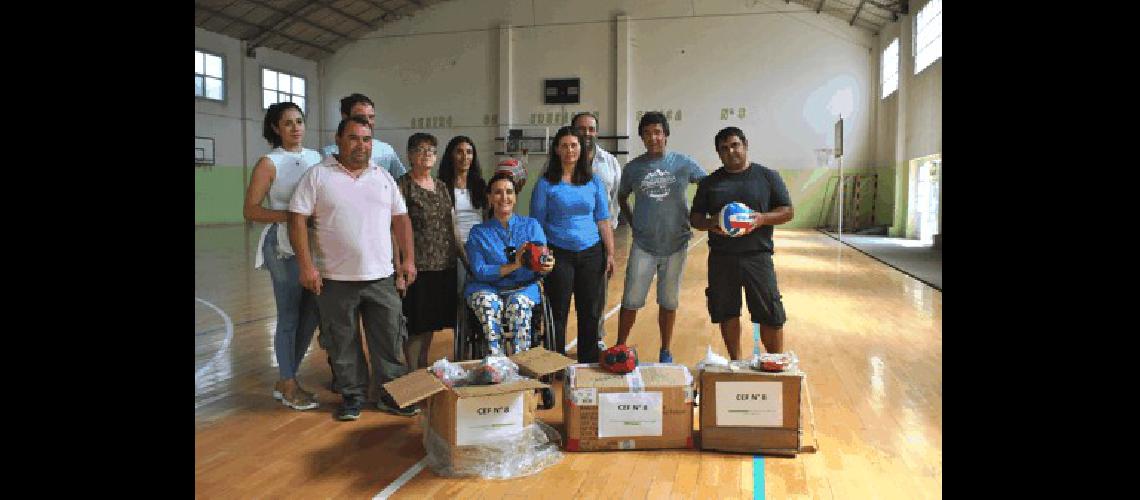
[
  {"x": 788, "y": 361},
  {"x": 510, "y": 455},
  {"x": 712, "y": 359},
  {"x": 493, "y": 370},
  {"x": 451, "y": 374}
]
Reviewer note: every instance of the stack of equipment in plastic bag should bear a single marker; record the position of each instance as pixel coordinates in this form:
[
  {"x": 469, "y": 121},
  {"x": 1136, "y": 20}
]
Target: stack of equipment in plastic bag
[{"x": 486, "y": 430}]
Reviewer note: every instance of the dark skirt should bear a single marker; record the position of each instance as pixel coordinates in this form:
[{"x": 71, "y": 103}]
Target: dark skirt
[{"x": 430, "y": 304}]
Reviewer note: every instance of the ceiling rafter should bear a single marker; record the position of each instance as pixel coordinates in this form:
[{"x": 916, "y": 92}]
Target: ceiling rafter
[
  {"x": 299, "y": 8},
  {"x": 233, "y": 19},
  {"x": 328, "y": 4},
  {"x": 857, "y": 9}
]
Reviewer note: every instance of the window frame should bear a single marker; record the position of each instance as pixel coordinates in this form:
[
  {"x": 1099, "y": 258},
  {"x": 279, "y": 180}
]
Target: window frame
[
  {"x": 914, "y": 42},
  {"x": 882, "y": 63},
  {"x": 225, "y": 95},
  {"x": 263, "y": 88}
]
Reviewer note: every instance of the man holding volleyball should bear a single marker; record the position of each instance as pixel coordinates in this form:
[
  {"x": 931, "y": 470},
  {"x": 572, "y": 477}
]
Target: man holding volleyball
[{"x": 743, "y": 260}]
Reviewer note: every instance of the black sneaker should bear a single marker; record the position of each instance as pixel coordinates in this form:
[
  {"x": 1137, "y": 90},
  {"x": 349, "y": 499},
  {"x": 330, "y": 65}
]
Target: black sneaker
[
  {"x": 389, "y": 406},
  {"x": 350, "y": 408}
]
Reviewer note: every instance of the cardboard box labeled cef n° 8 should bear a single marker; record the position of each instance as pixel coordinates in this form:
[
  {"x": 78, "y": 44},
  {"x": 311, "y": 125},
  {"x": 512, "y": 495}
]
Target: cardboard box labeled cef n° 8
[
  {"x": 651, "y": 407},
  {"x": 479, "y": 414},
  {"x": 745, "y": 410}
]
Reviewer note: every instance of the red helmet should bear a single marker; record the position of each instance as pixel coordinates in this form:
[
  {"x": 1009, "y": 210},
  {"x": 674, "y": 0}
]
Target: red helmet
[
  {"x": 535, "y": 255},
  {"x": 619, "y": 359},
  {"x": 513, "y": 167}
]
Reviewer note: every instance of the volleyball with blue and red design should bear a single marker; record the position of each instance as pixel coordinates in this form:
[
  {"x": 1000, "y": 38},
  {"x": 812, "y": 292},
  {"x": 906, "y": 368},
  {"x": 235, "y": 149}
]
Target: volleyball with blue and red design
[
  {"x": 735, "y": 219},
  {"x": 514, "y": 167}
]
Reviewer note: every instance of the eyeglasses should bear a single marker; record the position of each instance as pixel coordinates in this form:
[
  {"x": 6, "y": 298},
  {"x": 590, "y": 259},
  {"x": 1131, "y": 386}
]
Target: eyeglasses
[{"x": 425, "y": 151}]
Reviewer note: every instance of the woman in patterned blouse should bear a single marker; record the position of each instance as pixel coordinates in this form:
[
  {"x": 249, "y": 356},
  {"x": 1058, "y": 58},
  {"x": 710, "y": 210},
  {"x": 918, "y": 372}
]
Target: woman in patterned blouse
[{"x": 430, "y": 300}]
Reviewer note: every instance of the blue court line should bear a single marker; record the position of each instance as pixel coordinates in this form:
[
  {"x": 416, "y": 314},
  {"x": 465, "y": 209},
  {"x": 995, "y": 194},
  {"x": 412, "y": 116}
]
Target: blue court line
[
  {"x": 756, "y": 339},
  {"x": 758, "y": 477}
]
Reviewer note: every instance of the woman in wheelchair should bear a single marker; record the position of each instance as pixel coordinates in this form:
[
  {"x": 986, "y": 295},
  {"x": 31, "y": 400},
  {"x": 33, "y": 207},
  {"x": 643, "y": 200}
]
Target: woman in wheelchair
[{"x": 503, "y": 290}]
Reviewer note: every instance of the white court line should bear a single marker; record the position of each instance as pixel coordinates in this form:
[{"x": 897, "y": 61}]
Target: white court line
[
  {"x": 618, "y": 305},
  {"x": 225, "y": 342},
  {"x": 399, "y": 482},
  {"x": 415, "y": 469}
]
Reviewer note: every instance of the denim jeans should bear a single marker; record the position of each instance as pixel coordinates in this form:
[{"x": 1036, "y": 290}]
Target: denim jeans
[
  {"x": 297, "y": 315},
  {"x": 639, "y": 271}
]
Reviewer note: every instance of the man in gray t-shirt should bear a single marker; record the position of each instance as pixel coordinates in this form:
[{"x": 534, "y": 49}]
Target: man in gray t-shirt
[{"x": 660, "y": 222}]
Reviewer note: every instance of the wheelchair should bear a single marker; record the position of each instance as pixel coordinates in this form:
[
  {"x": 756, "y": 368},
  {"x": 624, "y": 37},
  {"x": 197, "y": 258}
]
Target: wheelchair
[{"x": 470, "y": 343}]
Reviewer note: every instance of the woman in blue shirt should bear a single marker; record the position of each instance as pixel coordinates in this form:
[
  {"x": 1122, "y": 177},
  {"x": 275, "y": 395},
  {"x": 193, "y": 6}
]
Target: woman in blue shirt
[
  {"x": 570, "y": 203},
  {"x": 503, "y": 291}
]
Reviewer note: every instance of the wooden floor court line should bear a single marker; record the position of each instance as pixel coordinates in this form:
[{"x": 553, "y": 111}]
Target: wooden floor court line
[{"x": 868, "y": 337}]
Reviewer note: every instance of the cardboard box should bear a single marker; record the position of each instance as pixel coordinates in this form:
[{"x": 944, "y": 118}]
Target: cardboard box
[
  {"x": 473, "y": 414},
  {"x": 750, "y": 411},
  {"x": 651, "y": 407}
]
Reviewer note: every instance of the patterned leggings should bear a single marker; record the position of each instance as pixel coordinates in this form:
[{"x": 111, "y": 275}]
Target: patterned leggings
[{"x": 514, "y": 322}]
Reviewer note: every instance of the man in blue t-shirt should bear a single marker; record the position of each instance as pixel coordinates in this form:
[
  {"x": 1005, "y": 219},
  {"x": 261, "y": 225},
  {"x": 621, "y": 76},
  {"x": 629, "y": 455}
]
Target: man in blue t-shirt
[
  {"x": 383, "y": 154},
  {"x": 660, "y": 227},
  {"x": 744, "y": 261}
]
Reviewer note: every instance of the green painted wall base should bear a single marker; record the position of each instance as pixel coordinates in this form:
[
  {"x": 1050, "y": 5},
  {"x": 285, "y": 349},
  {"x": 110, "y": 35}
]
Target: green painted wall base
[{"x": 218, "y": 195}]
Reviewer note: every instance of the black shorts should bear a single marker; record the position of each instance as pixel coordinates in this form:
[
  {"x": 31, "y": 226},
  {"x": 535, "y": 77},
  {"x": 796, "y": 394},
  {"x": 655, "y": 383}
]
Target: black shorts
[{"x": 756, "y": 274}]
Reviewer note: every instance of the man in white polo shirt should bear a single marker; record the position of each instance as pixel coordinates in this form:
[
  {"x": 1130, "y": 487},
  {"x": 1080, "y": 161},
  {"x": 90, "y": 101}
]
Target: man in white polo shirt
[{"x": 355, "y": 208}]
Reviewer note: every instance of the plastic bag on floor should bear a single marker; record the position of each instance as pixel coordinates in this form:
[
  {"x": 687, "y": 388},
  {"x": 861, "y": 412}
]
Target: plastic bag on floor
[
  {"x": 712, "y": 359},
  {"x": 516, "y": 454}
]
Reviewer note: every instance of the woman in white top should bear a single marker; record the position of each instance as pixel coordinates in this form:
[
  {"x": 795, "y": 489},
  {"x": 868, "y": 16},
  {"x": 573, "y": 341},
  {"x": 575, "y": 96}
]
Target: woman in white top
[
  {"x": 275, "y": 177},
  {"x": 460, "y": 170}
]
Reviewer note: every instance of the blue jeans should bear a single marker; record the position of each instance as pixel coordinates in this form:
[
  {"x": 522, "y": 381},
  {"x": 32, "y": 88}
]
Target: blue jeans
[{"x": 297, "y": 316}]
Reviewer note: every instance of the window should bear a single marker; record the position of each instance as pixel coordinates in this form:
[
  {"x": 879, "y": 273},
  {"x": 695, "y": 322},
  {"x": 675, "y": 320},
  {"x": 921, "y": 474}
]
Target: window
[
  {"x": 278, "y": 86},
  {"x": 890, "y": 70},
  {"x": 928, "y": 42},
  {"x": 209, "y": 74}
]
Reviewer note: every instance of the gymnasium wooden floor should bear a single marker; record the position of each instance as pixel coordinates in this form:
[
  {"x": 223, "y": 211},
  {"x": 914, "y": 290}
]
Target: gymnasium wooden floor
[{"x": 869, "y": 338}]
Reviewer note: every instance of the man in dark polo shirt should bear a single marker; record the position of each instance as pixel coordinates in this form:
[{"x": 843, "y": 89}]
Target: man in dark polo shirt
[{"x": 744, "y": 261}]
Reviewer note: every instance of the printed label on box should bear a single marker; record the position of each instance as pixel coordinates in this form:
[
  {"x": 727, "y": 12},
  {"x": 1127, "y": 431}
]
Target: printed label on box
[
  {"x": 488, "y": 418},
  {"x": 629, "y": 414},
  {"x": 586, "y": 396},
  {"x": 749, "y": 404}
]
